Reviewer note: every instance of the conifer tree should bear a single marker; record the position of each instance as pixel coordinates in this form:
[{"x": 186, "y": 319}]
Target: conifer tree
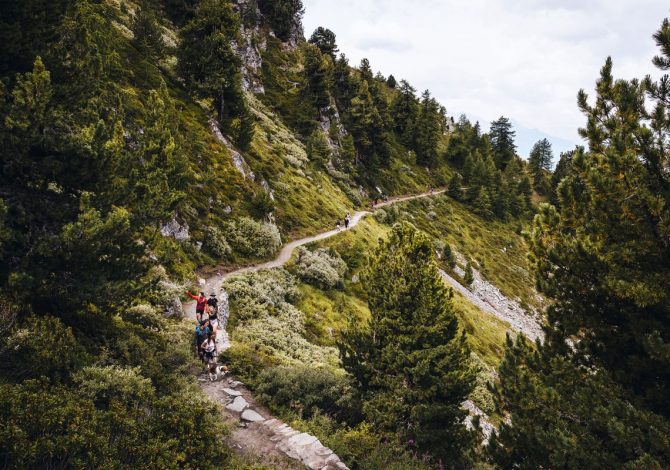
[
  {"x": 428, "y": 131},
  {"x": 324, "y": 39},
  {"x": 319, "y": 76},
  {"x": 147, "y": 34},
  {"x": 391, "y": 81},
  {"x": 405, "y": 110},
  {"x": 410, "y": 363},
  {"x": 502, "y": 141},
  {"x": 562, "y": 170},
  {"x": 367, "y": 128},
  {"x": 282, "y": 15},
  {"x": 596, "y": 394},
  {"x": 539, "y": 163},
  {"x": 455, "y": 189}
]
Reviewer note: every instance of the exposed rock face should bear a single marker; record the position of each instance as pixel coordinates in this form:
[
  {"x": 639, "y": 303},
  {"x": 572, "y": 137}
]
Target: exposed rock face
[
  {"x": 488, "y": 298},
  {"x": 176, "y": 230},
  {"x": 249, "y": 48},
  {"x": 174, "y": 308},
  {"x": 486, "y": 427},
  {"x": 238, "y": 159}
]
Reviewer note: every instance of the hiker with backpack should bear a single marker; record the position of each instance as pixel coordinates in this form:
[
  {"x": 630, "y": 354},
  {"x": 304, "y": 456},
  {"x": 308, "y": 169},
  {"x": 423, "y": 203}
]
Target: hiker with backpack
[
  {"x": 202, "y": 332},
  {"x": 212, "y": 310},
  {"x": 347, "y": 220},
  {"x": 210, "y": 352},
  {"x": 200, "y": 303}
]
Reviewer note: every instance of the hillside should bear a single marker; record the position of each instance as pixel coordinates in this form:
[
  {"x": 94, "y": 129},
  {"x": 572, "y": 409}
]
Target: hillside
[{"x": 149, "y": 144}]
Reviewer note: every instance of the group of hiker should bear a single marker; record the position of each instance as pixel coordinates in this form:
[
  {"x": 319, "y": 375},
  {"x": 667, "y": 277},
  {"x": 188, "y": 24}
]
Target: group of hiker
[
  {"x": 207, "y": 325},
  {"x": 347, "y": 222}
]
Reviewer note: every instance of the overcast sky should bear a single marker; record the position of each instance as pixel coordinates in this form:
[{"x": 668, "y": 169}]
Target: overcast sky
[{"x": 525, "y": 59}]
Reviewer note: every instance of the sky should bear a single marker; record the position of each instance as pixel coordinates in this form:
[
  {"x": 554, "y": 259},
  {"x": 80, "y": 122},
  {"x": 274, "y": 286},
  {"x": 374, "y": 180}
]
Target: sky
[{"x": 524, "y": 59}]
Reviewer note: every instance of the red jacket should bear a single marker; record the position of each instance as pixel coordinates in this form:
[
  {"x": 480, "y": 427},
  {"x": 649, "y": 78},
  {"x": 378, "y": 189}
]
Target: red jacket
[{"x": 201, "y": 301}]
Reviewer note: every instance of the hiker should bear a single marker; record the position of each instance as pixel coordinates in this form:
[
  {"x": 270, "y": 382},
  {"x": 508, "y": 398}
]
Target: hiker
[
  {"x": 347, "y": 219},
  {"x": 213, "y": 312},
  {"x": 337, "y": 225},
  {"x": 202, "y": 332},
  {"x": 209, "y": 353},
  {"x": 200, "y": 302}
]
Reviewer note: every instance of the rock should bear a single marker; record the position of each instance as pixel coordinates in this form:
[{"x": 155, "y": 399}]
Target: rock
[
  {"x": 198, "y": 246},
  {"x": 355, "y": 279},
  {"x": 174, "y": 309},
  {"x": 175, "y": 230},
  {"x": 238, "y": 159},
  {"x": 227, "y": 210},
  {"x": 238, "y": 405},
  {"x": 302, "y": 439},
  {"x": 251, "y": 416},
  {"x": 202, "y": 282},
  {"x": 235, "y": 384},
  {"x": 232, "y": 393}
]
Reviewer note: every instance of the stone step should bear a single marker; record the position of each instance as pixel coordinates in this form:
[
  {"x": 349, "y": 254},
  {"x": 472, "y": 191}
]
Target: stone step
[
  {"x": 251, "y": 416},
  {"x": 238, "y": 405},
  {"x": 232, "y": 393}
]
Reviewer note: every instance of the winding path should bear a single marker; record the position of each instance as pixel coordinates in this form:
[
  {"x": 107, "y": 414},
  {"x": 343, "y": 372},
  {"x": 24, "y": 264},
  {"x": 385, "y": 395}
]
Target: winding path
[{"x": 213, "y": 283}]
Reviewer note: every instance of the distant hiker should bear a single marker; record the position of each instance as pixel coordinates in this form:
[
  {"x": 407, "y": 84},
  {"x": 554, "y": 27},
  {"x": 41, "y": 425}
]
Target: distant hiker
[
  {"x": 202, "y": 332},
  {"x": 338, "y": 225},
  {"x": 347, "y": 220},
  {"x": 209, "y": 354},
  {"x": 200, "y": 303}
]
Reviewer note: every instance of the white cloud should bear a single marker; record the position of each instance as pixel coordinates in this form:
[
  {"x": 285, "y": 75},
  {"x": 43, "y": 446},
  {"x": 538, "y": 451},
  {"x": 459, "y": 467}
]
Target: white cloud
[{"x": 525, "y": 59}]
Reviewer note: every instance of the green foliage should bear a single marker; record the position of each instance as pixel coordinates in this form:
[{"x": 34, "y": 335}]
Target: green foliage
[
  {"x": 595, "y": 394},
  {"x": 322, "y": 268},
  {"x": 568, "y": 416},
  {"x": 455, "y": 187},
  {"x": 428, "y": 131},
  {"x": 405, "y": 111},
  {"x": 282, "y": 15},
  {"x": 318, "y": 149},
  {"x": 469, "y": 276},
  {"x": 502, "y": 142},
  {"x": 415, "y": 392},
  {"x": 216, "y": 74},
  {"x": 318, "y": 76},
  {"x": 325, "y": 40},
  {"x": 253, "y": 239},
  {"x": 148, "y": 36},
  {"x": 43, "y": 347},
  {"x": 539, "y": 162},
  {"x": 110, "y": 418},
  {"x": 367, "y": 129},
  {"x": 307, "y": 390},
  {"x": 215, "y": 242}
]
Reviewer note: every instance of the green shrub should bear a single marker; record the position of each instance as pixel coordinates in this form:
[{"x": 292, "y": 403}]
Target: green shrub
[
  {"x": 253, "y": 239},
  {"x": 247, "y": 362},
  {"x": 322, "y": 267},
  {"x": 40, "y": 347},
  {"x": 307, "y": 389},
  {"x": 215, "y": 242},
  {"x": 144, "y": 315}
]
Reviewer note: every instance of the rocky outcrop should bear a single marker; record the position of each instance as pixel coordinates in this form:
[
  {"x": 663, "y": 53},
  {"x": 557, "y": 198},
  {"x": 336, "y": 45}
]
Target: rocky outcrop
[
  {"x": 238, "y": 159},
  {"x": 488, "y": 298},
  {"x": 176, "y": 230},
  {"x": 484, "y": 424}
]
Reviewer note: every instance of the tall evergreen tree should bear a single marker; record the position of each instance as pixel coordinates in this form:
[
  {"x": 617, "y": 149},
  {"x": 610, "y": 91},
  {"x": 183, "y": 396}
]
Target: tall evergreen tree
[
  {"x": 319, "y": 76},
  {"x": 539, "y": 163},
  {"x": 147, "y": 34},
  {"x": 502, "y": 141},
  {"x": 410, "y": 362},
  {"x": 325, "y": 40},
  {"x": 596, "y": 394},
  {"x": 428, "y": 131},
  {"x": 282, "y": 15},
  {"x": 405, "y": 110}
]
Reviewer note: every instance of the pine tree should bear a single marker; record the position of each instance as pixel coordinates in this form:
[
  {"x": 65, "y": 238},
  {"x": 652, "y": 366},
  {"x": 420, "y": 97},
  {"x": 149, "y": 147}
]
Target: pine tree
[
  {"x": 428, "y": 131},
  {"x": 455, "y": 189},
  {"x": 539, "y": 163},
  {"x": 147, "y": 34},
  {"x": 502, "y": 142},
  {"x": 482, "y": 203},
  {"x": 282, "y": 15},
  {"x": 563, "y": 169},
  {"x": 596, "y": 394},
  {"x": 319, "y": 76},
  {"x": 405, "y": 110},
  {"x": 410, "y": 363},
  {"x": 391, "y": 81},
  {"x": 367, "y": 128},
  {"x": 325, "y": 40},
  {"x": 469, "y": 276}
]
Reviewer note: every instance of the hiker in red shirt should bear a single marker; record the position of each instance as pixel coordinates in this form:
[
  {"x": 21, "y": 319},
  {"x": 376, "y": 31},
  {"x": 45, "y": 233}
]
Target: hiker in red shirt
[{"x": 200, "y": 304}]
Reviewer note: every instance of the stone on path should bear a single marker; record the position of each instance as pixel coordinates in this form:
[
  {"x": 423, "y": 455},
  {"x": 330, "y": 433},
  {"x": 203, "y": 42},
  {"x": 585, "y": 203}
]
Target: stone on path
[
  {"x": 238, "y": 405},
  {"x": 231, "y": 392},
  {"x": 252, "y": 416},
  {"x": 235, "y": 384}
]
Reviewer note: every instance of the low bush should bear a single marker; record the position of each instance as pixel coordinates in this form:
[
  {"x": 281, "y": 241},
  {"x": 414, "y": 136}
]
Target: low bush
[
  {"x": 306, "y": 390},
  {"x": 251, "y": 238},
  {"x": 322, "y": 267},
  {"x": 215, "y": 242}
]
